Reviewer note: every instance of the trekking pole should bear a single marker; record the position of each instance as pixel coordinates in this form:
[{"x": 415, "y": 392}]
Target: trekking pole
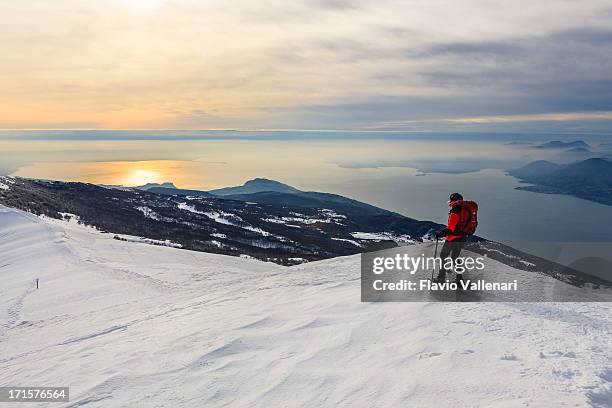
[{"x": 435, "y": 256}]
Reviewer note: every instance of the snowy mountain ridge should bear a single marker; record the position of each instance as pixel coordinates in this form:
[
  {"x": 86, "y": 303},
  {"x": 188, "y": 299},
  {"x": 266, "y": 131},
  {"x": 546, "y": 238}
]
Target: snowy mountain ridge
[
  {"x": 313, "y": 226},
  {"x": 285, "y": 228}
]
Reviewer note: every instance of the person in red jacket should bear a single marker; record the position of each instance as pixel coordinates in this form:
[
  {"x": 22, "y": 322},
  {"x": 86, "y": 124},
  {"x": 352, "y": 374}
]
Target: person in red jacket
[{"x": 454, "y": 239}]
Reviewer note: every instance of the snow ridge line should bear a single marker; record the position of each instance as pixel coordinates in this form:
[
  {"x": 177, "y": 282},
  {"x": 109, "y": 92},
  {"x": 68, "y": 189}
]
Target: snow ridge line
[{"x": 94, "y": 335}]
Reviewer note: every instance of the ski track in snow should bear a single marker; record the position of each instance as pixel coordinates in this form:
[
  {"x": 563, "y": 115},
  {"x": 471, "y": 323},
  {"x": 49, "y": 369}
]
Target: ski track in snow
[{"x": 125, "y": 324}]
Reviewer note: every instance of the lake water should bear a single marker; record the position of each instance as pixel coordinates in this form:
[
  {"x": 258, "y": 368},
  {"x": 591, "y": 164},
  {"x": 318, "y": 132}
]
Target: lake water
[{"x": 383, "y": 171}]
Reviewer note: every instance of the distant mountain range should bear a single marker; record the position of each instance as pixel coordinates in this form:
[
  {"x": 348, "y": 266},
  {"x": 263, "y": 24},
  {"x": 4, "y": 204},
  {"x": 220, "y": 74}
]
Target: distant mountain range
[
  {"x": 568, "y": 152},
  {"x": 557, "y": 144},
  {"x": 573, "y": 155},
  {"x": 149, "y": 186},
  {"x": 589, "y": 179},
  {"x": 256, "y": 185},
  {"x": 272, "y": 192}
]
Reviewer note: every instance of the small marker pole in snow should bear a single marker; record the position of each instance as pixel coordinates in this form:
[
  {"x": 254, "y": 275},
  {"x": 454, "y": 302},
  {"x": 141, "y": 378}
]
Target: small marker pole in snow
[
  {"x": 435, "y": 256},
  {"x": 36, "y": 283}
]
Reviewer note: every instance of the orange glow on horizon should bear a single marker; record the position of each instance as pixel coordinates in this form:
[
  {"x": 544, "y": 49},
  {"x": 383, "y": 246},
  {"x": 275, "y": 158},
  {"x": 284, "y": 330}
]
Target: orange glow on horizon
[
  {"x": 139, "y": 177},
  {"x": 185, "y": 174}
]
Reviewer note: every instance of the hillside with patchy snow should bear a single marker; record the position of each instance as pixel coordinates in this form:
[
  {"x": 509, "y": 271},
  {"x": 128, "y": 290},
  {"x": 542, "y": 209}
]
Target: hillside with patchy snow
[
  {"x": 131, "y": 324},
  {"x": 287, "y": 233}
]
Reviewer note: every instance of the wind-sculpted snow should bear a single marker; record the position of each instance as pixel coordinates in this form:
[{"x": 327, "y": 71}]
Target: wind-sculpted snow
[{"x": 126, "y": 324}]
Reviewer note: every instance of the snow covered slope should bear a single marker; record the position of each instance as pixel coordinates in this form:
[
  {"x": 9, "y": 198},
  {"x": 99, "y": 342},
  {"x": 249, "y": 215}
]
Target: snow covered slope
[{"x": 130, "y": 324}]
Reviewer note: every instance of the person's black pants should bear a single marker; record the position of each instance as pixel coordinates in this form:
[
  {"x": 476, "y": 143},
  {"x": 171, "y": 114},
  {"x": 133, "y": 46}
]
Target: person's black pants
[{"x": 451, "y": 249}]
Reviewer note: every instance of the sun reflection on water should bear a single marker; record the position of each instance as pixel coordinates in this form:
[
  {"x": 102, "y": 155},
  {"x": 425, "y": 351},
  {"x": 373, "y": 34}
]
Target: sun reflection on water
[{"x": 139, "y": 177}]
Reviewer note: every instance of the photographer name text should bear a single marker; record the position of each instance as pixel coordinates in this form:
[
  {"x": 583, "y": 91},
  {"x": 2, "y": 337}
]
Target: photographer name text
[{"x": 426, "y": 284}]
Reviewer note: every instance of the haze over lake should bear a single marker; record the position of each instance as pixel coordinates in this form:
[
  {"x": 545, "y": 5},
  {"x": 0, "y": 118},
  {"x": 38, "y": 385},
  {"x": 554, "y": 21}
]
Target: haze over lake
[{"x": 410, "y": 174}]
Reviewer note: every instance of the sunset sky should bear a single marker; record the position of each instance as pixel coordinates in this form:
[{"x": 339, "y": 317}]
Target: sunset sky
[{"x": 311, "y": 64}]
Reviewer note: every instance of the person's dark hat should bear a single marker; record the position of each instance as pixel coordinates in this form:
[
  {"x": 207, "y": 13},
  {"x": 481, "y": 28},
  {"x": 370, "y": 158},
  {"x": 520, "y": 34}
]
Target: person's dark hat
[{"x": 456, "y": 197}]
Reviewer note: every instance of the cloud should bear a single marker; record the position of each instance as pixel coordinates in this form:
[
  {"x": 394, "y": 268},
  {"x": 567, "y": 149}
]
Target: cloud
[
  {"x": 307, "y": 64},
  {"x": 497, "y": 50},
  {"x": 49, "y": 125},
  {"x": 335, "y": 4}
]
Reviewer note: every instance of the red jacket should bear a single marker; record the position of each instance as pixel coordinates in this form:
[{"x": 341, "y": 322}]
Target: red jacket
[{"x": 454, "y": 218}]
